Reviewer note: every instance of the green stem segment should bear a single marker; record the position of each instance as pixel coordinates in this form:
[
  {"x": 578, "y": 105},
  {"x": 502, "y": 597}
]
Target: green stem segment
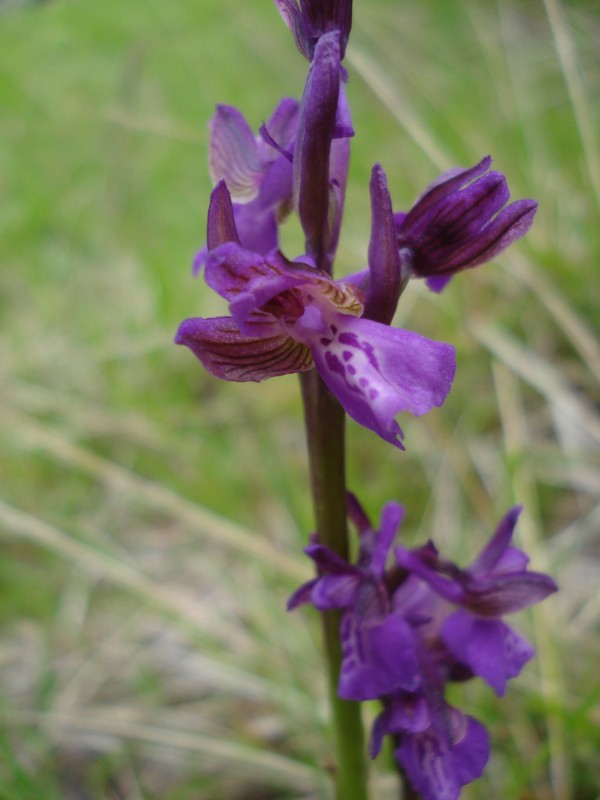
[{"x": 324, "y": 419}]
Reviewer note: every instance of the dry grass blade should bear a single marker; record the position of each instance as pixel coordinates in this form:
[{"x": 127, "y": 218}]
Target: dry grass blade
[
  {"x": 123, "y": 575},
  {"x": 566, "y": 50},
  {"x": 36, "y": 436},
  {"x": 544, "y": 377},
  {"x": 398, "y": 107},
  {"x": 581, "y": 337},
  {"x": 268, "y": 767},
  {"x": 516, "y": 437}
]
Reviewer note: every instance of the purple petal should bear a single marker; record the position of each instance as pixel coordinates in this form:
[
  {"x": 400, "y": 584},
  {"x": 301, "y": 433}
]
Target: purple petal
[
  {"x": 471, "y": 753},
  {"x": 489, "y": 648},
  {"x": 392, "y": 515},
  {"x": 409, "y": 713},
  {"x": 438, "y": 766},
  {"x": 436, "y": 283},
  {"x": 425, "y": 758},
  {"x": 220, "y": 227},
  {"x": 449, "y": 589},
  {"x": 234, "y": 155},
  {"x": 276, "y": 189},
  {"x": 343, "y": 117},
  {"x": 282, "y": 124},
  {"x": 327, "y": 561},
  {"x": 510, "y": 224},
  {"x": 302, "y": 595},
  {"x": 378, "y": 732},
  {"x": 313, "y": 144},
  {"x": 334, "y": 591},
  {"x": 507, "y": 593},
  {"x": 376, "y": 371},
  {"x": 443, "y": 186},
  {"x": 377, "y": 659},
  {"x": 232, "y": 270},
  {"x": 257, "y": 227},
  {"x": 297, "y": 25},
  {"x": 496, "y": 547},
  {"x": 339, "y": 161},
  {"x": 232, "y": 356},
  {"x": 385, "y": 279}
]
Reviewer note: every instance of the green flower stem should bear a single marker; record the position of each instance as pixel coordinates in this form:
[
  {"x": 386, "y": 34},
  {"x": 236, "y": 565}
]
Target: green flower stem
[{"x": 324, "y": 419}]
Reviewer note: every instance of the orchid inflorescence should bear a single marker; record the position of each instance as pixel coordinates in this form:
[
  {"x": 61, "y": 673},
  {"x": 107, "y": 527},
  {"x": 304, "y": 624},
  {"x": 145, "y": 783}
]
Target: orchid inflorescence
[{"x": 410, "y": 627}]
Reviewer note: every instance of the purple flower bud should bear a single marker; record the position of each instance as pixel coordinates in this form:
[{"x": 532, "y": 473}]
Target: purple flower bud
[
  {"x": 459, "y": 222},
  {"x": 316, "y": 129},
  {"x": 309, "y": 20},
  {"x": 385, "y": 271}
]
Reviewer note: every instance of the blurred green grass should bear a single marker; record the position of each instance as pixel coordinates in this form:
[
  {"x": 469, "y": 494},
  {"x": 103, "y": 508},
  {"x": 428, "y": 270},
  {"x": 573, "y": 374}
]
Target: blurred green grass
[{"x": 152, "y": 517}]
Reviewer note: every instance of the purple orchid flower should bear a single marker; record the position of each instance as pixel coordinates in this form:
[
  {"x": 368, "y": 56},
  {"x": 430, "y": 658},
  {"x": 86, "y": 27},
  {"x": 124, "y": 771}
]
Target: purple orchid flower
[
  {"x": 289, "y": 316},
  {"x": 440, "y": 748},
  {"x": 459, "y": 222},
  {"x": 310, "y": 19},
  {"x": 496, "y": 583},
  {"x": 379, "y": 652},
  {"x": 257, "y": 170}
]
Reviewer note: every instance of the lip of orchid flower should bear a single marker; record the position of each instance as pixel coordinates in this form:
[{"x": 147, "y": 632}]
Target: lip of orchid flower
[
  {"x": 460, "y": 221},
  {"x": 441, "y": 749},
  {"x": 379, "y": 654},
  {"x": 310, "y": 19},
  {"x": 292, "y": 316}
]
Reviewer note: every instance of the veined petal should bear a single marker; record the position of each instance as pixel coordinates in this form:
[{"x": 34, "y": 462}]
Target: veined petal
[
  {"x": 506, "y": 593},
  {"x": 510, "y": 224},
  {"x": 445, "y": 184},
  {"x": 376, "y": 371},
  {"x": 292, "y": 17},
  {"x": 231, "y": 270},
  {"x": 234, "y": 154},
  {"x": 232, "y": 356}
]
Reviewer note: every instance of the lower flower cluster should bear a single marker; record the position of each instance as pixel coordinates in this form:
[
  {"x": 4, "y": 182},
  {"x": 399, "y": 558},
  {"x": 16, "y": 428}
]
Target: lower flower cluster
[{"x": 411, "y": 627}]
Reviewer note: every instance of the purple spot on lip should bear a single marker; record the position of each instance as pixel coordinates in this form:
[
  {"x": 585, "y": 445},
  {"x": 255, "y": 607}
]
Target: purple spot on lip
[
  {"x": 334, "y": 364},
  {"x": 373, "y": 394},
  {"x": 325, "y": 341},
  {"x": 349, "y": 338},
  {"x": 351, "y": 369},
  {"x": 363, "y": 382},
  {"x": 333, "y": 329},
  {"x": 347, "y": 355}
]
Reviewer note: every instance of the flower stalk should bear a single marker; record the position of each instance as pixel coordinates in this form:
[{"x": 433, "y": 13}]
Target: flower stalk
[{"x": 325, "y": 426}]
